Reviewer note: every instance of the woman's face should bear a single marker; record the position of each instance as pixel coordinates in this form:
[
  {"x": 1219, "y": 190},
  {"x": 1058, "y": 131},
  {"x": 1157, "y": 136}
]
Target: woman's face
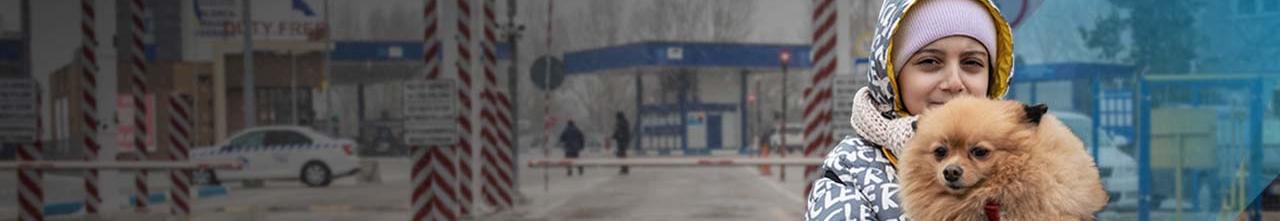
[{"x": 947, "y": 68}]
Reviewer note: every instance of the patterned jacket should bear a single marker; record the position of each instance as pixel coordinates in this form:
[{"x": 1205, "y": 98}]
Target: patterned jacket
[{"x": 857, "y": 183}]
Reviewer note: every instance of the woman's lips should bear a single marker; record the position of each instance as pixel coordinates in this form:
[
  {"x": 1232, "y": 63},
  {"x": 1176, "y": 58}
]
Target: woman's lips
[{"x": 933, "y": 104}]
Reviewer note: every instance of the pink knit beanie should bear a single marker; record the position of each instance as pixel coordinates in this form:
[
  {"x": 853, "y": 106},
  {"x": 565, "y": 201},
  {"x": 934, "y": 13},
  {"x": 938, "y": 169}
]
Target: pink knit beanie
[{"x": 930, "y": 20}]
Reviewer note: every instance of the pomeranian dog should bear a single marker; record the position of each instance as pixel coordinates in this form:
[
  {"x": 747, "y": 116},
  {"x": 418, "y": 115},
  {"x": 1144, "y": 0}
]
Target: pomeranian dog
[{"x": 981, "y": 159}]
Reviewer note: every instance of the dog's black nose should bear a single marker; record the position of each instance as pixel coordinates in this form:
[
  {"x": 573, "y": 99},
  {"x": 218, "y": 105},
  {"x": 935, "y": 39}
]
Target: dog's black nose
[{"x": 952, "y": 173}]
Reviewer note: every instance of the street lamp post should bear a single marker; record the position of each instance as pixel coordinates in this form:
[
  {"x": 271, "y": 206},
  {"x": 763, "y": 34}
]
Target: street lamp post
[{"x": 784, "y": 58}]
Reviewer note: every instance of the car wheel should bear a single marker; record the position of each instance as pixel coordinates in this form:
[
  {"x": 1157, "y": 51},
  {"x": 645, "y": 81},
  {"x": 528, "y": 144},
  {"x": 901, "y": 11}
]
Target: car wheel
[
  {"x": 316, "y": 174},
  {"x": 205, "y": 177}
]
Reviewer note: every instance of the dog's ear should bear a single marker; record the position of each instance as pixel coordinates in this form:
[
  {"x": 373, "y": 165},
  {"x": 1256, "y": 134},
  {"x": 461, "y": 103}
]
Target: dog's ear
[{"x": 1033, "y": 113}]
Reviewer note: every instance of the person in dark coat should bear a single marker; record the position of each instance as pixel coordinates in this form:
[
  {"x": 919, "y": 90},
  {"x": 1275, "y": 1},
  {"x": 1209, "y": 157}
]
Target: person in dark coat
[
  {"x": 622, "y": 136},
  {"x": 572, "y": 140}
]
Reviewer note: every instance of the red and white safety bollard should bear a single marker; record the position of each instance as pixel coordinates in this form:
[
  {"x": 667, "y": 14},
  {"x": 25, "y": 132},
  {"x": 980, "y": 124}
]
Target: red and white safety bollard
[
  {"x": 180, "y": 143},
  {"x": 434, "y": 172},
  {"x": 464, "y": 75},
  {"x": 89, "y": 102},
  {"x": 497, "y": 168},
  {"x": 31, "y": 181},
  {"x": 138, "y": 79},
  {"x": 817, "y": 110}
]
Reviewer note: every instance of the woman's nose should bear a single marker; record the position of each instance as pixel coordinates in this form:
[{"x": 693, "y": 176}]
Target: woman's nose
[{"x": 951, "y": 80}]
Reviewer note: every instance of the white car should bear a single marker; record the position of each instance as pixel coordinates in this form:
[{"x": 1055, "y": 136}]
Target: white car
[
  {"x": 1119, "y": 170},
  {"x": 280, "y": 152}
]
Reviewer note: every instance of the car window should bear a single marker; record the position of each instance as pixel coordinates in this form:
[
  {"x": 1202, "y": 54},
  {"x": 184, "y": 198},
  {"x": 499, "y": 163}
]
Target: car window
[
  {"x": 284, "y": 137},
  {"x": 250, "y": 139}
]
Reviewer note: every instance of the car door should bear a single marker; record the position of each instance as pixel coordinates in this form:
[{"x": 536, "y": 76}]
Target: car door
[
  {"x": 245, "y": 148},
  {"x": 289, "y": 150}
]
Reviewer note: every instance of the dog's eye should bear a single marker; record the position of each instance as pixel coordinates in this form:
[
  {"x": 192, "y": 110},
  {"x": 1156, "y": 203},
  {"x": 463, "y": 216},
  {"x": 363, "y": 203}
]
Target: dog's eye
[
  {"x": 940, "y": 151},
  {"x": 979, "y": 152}
]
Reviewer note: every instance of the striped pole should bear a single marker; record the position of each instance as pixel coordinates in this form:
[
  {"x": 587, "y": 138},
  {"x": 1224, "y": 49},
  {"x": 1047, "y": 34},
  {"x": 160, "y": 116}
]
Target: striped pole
[
  {"x": 463, "y": 66},
  {"x": 432, "y": 56},
  {"x": 496, "y": 152},
  {"x": 433, "y": 173},
  {"x": 89, "y": 102},
  {"x": 30, "y": 181},
  {"x": 817, "y": 110},
  {"x": 138, "y": 67},
  {"x": 180, "y": 144}
]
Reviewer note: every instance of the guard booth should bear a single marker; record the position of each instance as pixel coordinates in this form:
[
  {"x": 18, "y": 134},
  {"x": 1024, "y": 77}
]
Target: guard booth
[
  {"x": 364, "y": 98},
  {"x": 365, "y": 92},
  {"x": 684, "y": 98}
]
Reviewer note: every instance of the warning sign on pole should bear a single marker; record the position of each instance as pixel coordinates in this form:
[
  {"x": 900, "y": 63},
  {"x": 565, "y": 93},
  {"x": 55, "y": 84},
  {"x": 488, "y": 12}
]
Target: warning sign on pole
[
  {"x": 18, "y": 111},
  {"x": 430, "y": 108}
]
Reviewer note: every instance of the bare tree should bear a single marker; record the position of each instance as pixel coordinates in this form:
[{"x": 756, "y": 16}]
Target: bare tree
[
  {"x": 730, "y": 20},
  {"x": 377, "y": 23}
]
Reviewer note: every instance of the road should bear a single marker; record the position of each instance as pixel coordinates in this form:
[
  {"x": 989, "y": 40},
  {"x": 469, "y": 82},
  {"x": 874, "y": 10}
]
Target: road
[{"x": 723, "y": 193}]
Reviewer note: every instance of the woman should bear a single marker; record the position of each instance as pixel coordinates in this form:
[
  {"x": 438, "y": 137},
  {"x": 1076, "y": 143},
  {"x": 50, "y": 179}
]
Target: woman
[{"x": 939, "y": 50}]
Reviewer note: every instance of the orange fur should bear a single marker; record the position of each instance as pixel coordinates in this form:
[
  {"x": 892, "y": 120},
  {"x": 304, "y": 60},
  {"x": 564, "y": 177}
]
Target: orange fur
[{"x": 1035, "y": 171}]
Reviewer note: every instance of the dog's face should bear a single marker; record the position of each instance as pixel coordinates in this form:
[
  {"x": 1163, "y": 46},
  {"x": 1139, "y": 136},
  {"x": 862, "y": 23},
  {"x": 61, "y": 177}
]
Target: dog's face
[{"x": 964, "y": 141}]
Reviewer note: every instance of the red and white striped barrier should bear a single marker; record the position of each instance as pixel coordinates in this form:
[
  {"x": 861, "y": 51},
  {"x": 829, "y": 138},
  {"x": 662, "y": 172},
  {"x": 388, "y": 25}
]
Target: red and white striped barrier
[
  {"x": 138, "y": 79},
  {"x": 817, "y": 110},
  {"x": 89, "y": 102},
  {"x": 30, "y": 182},
  {"x": 675, "y": 162},
  {"x": 464, "y": 73},
  {"x": 434, "y": 171},
  {"x": 180, "y": 146},
  {"x": 496, "y": 153}
]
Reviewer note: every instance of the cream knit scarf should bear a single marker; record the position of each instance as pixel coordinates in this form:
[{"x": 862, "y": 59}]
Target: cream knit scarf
[{"x": 872, "y": 125}]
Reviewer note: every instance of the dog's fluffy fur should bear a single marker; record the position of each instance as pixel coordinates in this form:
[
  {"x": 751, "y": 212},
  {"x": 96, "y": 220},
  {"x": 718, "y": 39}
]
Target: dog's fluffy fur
[{"x": 1030, "y": 164}]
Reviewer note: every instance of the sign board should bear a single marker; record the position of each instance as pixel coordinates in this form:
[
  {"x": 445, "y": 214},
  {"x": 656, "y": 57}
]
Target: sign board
[
  {"x": 675, "y": 53},
  {"x": 430, "y": 108},
  {"x": 547, "y": 73},
  {"x": 18, "y": 111},
  {"x": 280, "y": 19},
  {"x": 126, "y": 132},
  {"x": 843, "y": 91}
]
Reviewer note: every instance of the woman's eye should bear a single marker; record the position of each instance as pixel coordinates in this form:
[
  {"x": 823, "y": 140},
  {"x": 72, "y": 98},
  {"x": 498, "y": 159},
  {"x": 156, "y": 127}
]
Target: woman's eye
[
  {"x": 940, "y": 152},
  {"x": 979, "y": 152},
  {"x": 975, "y": 63},
  {"x": 928, "y": 61}
]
